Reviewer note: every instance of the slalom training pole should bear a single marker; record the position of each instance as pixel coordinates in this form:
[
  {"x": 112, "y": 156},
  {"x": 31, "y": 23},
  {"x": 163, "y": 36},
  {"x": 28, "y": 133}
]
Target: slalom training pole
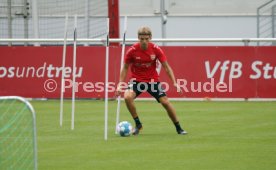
[
  {"x": 106, "y": 82},
  {"x": 63, "y": 67},
  {"x": 121, "y": 67},
  {"x": 74, "y": 74}
]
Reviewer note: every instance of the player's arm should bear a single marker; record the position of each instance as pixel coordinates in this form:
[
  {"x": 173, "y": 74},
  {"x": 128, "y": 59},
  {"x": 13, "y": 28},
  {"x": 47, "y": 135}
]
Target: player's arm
[
  {"x": 123, "y": 75},
  {"x": 170, "y": 73}
]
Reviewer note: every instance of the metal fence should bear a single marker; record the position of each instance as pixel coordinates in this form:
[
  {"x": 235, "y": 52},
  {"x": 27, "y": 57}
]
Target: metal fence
[{"x": 266, "y": 16}]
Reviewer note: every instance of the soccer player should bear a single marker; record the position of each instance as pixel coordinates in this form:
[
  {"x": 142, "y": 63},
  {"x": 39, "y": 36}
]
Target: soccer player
[{"x": 142, "y": 59}]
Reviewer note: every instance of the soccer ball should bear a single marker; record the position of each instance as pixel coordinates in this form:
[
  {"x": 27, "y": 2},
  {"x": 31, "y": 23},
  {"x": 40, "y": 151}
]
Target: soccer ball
[{"x": 124, "y": 128}]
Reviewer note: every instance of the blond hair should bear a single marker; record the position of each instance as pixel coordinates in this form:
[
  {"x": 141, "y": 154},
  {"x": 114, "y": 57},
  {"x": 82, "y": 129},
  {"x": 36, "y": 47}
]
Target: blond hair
[{"x": 144, "y": 31}]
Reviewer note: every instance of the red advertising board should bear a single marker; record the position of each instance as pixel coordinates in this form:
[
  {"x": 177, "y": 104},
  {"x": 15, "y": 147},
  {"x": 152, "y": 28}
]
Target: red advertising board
[{"x": 215, "y": 72}]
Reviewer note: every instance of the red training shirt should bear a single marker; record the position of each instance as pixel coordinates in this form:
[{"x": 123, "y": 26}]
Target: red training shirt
[{"x": 143, "y": 62}]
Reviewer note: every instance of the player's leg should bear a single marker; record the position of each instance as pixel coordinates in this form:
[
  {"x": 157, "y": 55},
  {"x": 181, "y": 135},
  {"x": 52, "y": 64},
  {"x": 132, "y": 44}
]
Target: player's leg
[
  {"x": 172, "y": 114},
  {"x": 169, "y": 108},
  {"x": 130, "y": 94},
  {"x": 158, "y": 93},
  {"x": 129, "y": 99}
]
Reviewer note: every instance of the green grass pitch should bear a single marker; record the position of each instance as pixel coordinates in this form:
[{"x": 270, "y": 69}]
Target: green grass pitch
[{"x": 222, "y": 136}]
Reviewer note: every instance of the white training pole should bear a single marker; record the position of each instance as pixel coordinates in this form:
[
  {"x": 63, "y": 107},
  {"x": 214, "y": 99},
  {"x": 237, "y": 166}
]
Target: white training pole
[
  {"x": 63, "y": 66},
  {"x": 121, "y": 67},
  {"x": 74, "y": 74},
  {"x": 158, "y": 66},
  {"x": 106, "y": 82}
]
